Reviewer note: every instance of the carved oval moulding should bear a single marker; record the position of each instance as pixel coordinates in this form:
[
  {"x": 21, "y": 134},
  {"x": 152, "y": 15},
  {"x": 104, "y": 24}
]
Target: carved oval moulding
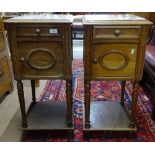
[
  {"x": 114, "y": 60},
  {"x": 41, "y": 58}
]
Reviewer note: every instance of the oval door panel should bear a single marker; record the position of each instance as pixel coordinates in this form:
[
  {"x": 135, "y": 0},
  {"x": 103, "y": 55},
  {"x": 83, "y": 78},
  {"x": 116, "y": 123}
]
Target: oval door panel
[
  {"x": 114, "y": 60},
  {"x": 41, "y": 59}
]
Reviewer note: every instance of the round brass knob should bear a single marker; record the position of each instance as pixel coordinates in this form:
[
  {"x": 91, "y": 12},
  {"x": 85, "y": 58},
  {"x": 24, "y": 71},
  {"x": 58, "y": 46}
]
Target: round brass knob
[
  {"x": 37, "y": 31},
  {"x": 22, "y": 59},
  {"x": 95, "y": 60},
  {"x": 117, "y": 32}
]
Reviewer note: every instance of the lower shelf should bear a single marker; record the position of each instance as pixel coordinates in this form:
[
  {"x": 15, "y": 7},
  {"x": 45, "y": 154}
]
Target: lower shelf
[
  {"x": 108, "y": 116},
  {"x": 48, "y": 116}
]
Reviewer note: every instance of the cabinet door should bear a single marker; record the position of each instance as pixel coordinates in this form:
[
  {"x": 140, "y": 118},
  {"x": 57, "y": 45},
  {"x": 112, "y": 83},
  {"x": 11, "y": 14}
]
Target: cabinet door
[
  {"x": 40, "y": 59},
  {"x": 114, "y": 60}
]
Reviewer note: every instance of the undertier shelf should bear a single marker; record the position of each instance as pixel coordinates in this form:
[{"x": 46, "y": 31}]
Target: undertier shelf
[
  {"x": 110, "y": 116},
  {"x": 48, "y": 116}
]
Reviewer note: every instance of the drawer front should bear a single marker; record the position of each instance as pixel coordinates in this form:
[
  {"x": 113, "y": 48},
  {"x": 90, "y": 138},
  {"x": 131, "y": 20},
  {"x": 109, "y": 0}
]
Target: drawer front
[
  {"x": 116, "y": 32},
  {"x": 39, "y": 30},
  {"x": 40, "y": 59},
  {"x": 114, "y": 60},
  {"x": 4, "y": 69}
]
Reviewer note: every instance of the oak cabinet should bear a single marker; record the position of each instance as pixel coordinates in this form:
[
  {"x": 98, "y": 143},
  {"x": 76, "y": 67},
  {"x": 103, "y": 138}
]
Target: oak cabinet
[
  {"x": 40, "y": 48},
  {"x": 114, "y": 48}
]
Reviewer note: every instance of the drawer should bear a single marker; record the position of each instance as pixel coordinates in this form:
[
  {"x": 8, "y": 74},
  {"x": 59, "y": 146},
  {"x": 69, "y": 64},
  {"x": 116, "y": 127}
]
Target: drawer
[
  {"x": 39, "y": 30},
  {"x": 114, "y": 60},
  {"x": 116, "y": 32},
  {"x": 4, "y": 69},
  {"x": 40, "y": 59}
]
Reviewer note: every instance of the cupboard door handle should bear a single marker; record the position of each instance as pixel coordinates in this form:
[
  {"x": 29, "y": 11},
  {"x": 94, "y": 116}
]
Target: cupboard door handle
[
  {"x": 22, "y": 59},
  {"x": 117, "y": 32},
  {"x": 95, "y": 60}
]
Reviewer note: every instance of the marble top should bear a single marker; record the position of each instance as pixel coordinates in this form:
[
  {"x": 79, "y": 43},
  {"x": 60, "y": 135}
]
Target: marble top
[
  {"x": 41, "y": 18},
  {"x": 102, "y": 19},
  {"x": 115, "y": 19}
]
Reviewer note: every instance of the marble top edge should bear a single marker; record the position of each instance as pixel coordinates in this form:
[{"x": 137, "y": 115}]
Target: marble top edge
[
  {"x": 108, "y": 18},
  {"x": 32, "y": 18},
  {"x": 112, "y": 17}
]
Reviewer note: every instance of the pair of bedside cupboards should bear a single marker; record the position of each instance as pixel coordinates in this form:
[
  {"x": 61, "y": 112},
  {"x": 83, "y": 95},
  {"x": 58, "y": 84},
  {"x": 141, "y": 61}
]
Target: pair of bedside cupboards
[{"x": 114, "y": 48}]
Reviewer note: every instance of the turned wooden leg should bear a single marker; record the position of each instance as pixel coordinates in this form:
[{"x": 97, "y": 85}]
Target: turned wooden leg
[
  {"x": 122, "y": 91},
  {"x": 134, "y": 103},
  {"x": 69, "y": 102},
  {"x": 87, "y": 104},
  {"x": 22, "y": 103},
  {"x": 33, "y": 92}
]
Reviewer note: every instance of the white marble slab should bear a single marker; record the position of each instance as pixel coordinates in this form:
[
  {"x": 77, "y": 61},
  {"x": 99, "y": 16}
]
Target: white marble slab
[
  {"x": 41, "y": 18},
  {"x": 114, "y": 19}
]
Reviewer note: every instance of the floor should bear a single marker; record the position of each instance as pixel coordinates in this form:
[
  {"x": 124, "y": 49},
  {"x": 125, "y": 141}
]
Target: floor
[
  {"x": 10, "y": 117},
  {"x": 77, "y": 49}
]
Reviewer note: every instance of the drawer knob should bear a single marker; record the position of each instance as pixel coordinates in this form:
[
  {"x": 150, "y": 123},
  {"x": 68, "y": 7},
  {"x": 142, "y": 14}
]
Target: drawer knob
[
  {"x": 22, "y": 59},
  {"x": 37, "y": 31},
  {"x": 117, "y": 32},
  {"x": 95, "y": 60}
]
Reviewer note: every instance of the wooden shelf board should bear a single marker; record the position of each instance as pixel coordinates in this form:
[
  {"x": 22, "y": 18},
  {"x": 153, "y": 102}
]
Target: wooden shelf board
[
  {"x": 48, "y": 116},
  {"x": 108, "y": 116}
]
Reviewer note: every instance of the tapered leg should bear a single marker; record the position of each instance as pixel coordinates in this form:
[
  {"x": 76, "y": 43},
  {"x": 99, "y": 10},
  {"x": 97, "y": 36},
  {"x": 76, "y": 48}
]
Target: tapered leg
[
  {"x": 69, "y": 102},
  {"x": 134, "y": 103},
  {"x": 122, "y": 91},
  {"x": 33, "y": 92},
  {"x": 22, "y": 103},
  {"x": 87, "y": 104}
]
